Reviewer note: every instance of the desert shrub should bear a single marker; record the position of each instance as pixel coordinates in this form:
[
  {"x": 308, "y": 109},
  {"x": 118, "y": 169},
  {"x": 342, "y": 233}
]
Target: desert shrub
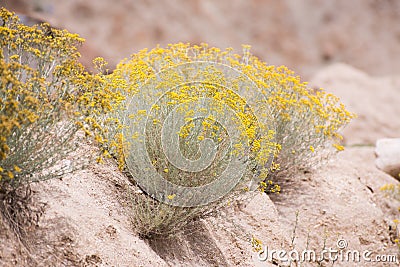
[
  {"x": 46, "y": 97},
  {"x": 198, "y": 117},
  {"x": 306, "y": 121}
]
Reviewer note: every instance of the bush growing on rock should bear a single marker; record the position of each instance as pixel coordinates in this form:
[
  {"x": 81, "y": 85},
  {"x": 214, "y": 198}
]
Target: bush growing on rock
[{"x": 191, "y": 111}]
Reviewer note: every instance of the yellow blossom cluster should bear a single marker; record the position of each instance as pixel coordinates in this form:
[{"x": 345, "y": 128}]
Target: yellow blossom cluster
[{"x": 306, "y": 120}]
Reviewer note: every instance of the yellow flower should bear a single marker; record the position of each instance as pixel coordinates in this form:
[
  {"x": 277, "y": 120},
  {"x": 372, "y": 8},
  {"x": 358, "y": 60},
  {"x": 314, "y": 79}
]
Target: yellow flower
[
  {"x": 135, "y": 135},
  {"x": 256, "y": 244},
  {"x": 312, "y": 149},
  {"x": 16, "y": 168},
  {"x": 142, "y": 112},
  {"x": 99, "y": 159},
  {"x": 171, "y": 197},
  {"x": 156, "y": 107},
  {"x": 338, "y": 147},
  {"x": 166, "y": 170},
  {"x": 14, "y": 57}
]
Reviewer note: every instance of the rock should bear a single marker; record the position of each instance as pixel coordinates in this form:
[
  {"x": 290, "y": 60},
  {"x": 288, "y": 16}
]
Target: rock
[{"x": 388, "y": 156}]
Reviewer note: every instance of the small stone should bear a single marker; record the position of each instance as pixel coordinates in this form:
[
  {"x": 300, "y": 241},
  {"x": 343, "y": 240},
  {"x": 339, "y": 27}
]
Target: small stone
[{"x": 387, "y": 153}]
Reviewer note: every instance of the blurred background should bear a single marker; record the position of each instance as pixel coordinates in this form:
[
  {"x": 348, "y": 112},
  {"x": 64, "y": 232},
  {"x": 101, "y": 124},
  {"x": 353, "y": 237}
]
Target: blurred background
[{"x": 304, "y": 35}]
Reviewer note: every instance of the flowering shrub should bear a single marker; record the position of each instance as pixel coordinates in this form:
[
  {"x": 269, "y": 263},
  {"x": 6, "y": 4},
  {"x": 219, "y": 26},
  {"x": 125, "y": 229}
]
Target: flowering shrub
[
  {"x": 199, "y": 124},
  {"x": 306, "y": 121},
  {"x": 45, "y": 98}
]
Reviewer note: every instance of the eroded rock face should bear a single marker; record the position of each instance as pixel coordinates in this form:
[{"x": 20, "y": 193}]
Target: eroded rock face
[{"x": 388, "y": 156}]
